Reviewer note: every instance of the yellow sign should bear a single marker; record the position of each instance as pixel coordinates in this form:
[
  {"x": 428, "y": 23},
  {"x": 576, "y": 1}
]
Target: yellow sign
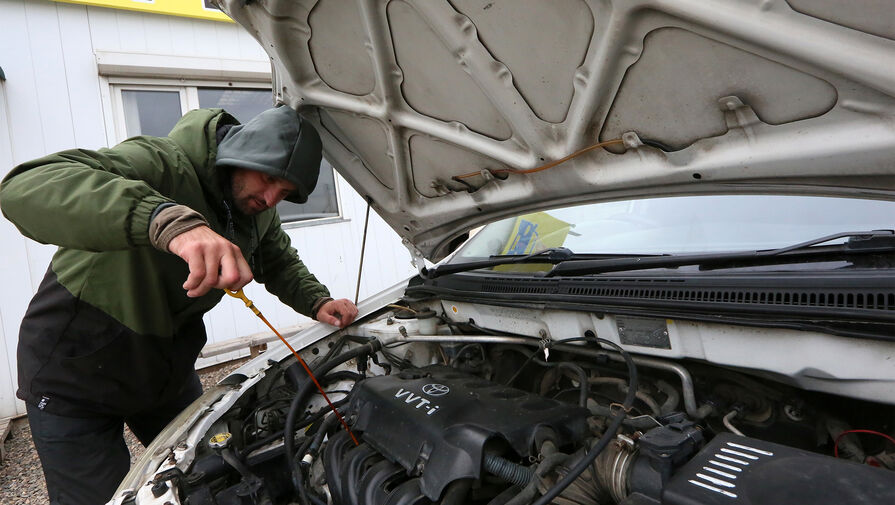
[
  {"x": 202, "y": 9},
  {"x": 533, "y": 233}
]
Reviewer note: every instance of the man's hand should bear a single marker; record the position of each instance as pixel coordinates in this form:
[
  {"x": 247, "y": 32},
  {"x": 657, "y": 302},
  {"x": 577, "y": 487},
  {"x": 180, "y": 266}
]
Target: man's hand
[
  {"x": 337, "y": 312},
  {"x": 214, "y": 261}
]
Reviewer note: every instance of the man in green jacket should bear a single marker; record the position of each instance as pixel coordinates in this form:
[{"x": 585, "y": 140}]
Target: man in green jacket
[{"x": 150, "y": 232}]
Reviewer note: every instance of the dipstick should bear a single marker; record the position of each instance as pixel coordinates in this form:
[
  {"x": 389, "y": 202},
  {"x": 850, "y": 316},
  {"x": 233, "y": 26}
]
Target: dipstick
[{"x": 239, "y": 294}]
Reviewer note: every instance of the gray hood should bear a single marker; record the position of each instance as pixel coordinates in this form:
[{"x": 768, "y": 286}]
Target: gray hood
[
  {"x": 276, "y": 142},
  {"x": 441, "y": 112}
]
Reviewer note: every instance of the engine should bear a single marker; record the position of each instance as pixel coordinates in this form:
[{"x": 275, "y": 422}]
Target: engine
[
  {"x": 457, "y": 415},
  {"x": 432, "y": 427}
]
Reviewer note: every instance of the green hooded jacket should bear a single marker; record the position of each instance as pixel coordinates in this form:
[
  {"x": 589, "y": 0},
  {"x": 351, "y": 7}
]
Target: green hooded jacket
[{"x": 111, "y": 330}]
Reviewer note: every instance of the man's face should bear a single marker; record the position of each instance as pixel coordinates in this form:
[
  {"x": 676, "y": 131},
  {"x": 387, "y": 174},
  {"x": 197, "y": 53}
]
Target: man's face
[{"x": 254, "y": 191}]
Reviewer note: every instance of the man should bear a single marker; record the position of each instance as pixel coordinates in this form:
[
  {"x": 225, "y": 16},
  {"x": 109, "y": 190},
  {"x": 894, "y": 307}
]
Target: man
[{"x": 150, "y": 233}]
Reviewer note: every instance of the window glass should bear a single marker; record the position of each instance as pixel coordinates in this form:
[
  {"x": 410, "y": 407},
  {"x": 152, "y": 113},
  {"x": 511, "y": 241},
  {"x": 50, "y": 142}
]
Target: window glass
[
  {"x": 150, "y": 112},
  {"x": 680, "y": 225},
  {"x": 321, "y": 202},
  {"x": 244, "y": 104}
]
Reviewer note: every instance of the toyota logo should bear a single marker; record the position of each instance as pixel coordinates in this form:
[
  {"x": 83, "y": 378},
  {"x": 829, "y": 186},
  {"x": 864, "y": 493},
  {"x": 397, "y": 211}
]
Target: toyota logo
[{"x": 436, "y": 389}]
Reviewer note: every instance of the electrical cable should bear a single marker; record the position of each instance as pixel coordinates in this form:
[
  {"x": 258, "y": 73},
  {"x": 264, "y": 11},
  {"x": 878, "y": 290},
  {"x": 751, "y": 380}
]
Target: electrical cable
[
  {"x": 847, "y": 432},
  {"x": 305, "y": 421},
  {"x": 316, "y": 438},
  {"x": 401, "y": 307},
  {"x": 335, "y": 348},
  {"x": 519, "y": 371},
  {"x": 582, "y": 375},
  {"x": 544, "y": 166},
  {"x": 299, "y": 401}
]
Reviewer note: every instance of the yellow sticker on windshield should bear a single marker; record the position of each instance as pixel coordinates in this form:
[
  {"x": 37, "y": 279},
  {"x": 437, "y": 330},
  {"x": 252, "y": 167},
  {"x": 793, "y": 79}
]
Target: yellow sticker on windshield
[{"x": 533, "y": 233}]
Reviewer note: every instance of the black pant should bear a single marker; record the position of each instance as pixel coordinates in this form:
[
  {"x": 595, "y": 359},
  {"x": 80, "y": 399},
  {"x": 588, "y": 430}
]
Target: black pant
[{"x": 84, "y": 460}]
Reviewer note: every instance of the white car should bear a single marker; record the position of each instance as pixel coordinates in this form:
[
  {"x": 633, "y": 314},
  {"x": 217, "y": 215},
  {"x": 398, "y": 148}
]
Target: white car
[{"x": 683, "y": 293}]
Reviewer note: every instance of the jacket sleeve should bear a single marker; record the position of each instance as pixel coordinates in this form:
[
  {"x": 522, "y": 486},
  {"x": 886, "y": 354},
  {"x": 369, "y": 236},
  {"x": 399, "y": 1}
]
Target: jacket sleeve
[
  {"x": 92, "y": 200},
  {"x": 283, "y": 273}
]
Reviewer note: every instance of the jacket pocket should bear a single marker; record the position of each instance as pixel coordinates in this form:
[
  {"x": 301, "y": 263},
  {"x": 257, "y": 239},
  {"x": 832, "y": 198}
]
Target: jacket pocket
[{"x": 106, "y": 366}]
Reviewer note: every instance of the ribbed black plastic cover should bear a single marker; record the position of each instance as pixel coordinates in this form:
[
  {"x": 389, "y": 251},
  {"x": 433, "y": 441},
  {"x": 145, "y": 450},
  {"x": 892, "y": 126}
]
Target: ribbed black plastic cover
[
  {"x": 435, "y": 421},
  {"x": 735, "y": 470}
]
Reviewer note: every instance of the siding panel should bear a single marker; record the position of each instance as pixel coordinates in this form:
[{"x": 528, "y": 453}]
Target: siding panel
[
  {"x": 54, "y": 107},
  {"x": 16, "y": 283},
  {"x": 21, "y": 86},
  {"x": 80, "y": 77}
]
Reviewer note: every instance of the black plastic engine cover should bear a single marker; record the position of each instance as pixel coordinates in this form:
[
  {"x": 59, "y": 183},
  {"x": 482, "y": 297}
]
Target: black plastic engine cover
[
  {"x": 435, "y": 421},
  {"x": 734, "y": 470}
]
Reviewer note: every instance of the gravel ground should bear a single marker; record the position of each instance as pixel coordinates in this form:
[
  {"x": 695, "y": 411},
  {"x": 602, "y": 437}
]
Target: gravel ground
[{"x": 21, "y": 478}]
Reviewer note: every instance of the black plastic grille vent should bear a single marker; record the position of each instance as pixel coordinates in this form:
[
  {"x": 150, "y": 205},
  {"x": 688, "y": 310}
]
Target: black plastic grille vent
[
  {"x": 672, "y": 290},
  {"x": 873, "y": 301},
  {"x": 521, "y": 286}
]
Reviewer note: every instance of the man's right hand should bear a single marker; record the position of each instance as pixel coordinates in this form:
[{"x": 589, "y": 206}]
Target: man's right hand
[{"x": 214, "y": 261}]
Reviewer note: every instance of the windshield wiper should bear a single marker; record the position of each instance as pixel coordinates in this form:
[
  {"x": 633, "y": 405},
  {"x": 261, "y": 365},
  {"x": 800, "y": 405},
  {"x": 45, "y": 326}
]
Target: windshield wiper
[
  {"x": 552, "y": 255},
  {"x": 860, "y": 242}
]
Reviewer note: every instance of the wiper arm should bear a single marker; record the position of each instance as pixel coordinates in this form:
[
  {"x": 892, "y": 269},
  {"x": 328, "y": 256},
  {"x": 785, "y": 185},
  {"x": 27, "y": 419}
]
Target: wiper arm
[
  {"x": 552, "y": 255},
  {"x": 859, "y": 242}
]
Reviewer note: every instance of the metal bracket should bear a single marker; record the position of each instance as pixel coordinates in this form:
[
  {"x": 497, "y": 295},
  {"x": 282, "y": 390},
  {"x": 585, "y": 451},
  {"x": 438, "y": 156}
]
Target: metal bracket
[
  {"x": 633, "y": 144},
  {"x": 416, "y": 257},
  {"x": 631, "y": 140},
  {"x": 739, "y": 116},
  {"x": 440, "y": 187}
]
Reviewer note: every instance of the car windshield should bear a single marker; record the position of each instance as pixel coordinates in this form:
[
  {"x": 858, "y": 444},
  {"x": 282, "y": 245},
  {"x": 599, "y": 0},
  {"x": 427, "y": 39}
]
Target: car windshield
[{"x": 679, "y": 225}]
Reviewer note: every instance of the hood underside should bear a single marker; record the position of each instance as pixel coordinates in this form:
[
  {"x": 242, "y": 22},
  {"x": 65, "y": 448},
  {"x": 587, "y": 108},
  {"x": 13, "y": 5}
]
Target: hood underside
[{"x": 442, "y": 112}]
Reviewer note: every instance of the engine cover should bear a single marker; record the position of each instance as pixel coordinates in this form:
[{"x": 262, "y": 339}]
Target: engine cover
[
  {"x": 434, "y": 422},
  {"x": 735, "y": 470}
]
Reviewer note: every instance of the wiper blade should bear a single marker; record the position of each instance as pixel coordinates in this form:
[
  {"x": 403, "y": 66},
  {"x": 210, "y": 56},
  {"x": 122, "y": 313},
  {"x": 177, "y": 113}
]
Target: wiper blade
[
  {"x": 860, "y": 242},
  {"x": 552, "y": 255}
]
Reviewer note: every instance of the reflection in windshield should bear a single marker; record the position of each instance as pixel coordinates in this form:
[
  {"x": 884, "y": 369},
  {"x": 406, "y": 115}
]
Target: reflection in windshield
[{"x": 678, "y": 225}]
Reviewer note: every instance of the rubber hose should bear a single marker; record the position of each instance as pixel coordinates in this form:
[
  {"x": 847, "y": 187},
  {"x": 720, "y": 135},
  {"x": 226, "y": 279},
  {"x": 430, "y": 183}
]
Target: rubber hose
[
  {"x": 614, "y": 425},
  {"x": 305, "y": 421},
  {"x": 299, "y": 401},
  {"x": 525, "y": 496},
  {"x": 582, "y": 380},
  {"x": 672, "y": 397},
  {"x": 507, "y": 470},
  {"x": 328, "y": 423},
  {"x": 505, "y": 496},
  {"x": 298, "y": 376}
]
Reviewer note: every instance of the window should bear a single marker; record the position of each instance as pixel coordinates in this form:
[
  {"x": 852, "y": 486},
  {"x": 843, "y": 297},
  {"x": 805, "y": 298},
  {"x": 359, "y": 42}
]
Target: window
[
  {"x": 150, "y": 112},
  {"x": 148, "y": 109}
]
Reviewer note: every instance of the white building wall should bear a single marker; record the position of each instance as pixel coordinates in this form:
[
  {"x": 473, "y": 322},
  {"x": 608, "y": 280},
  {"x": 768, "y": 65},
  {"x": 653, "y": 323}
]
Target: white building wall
[{"x": 54, "y": 99}]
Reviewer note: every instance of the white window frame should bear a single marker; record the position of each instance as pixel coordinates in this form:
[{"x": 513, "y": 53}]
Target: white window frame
[
  {"x": 116, "y": 129},
  {"x": 120, "y": 127}
]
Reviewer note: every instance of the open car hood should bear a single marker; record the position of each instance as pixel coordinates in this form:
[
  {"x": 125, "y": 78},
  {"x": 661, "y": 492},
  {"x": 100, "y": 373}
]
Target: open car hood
[{"x": 431, "y": 109}]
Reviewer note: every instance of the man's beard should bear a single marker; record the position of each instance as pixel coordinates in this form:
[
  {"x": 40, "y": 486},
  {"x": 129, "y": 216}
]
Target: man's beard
[
  {"x": 249, "y": 206},
  {"x": 245, "y": 203}
]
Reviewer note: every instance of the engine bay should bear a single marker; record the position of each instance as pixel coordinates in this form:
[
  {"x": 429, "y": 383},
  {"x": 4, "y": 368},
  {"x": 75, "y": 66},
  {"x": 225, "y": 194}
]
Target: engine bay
[{"x": 449, "y": 403}]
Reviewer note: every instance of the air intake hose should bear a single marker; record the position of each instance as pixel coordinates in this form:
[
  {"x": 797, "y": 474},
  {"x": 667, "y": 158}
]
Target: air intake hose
[{"x": 507, "y": 470}]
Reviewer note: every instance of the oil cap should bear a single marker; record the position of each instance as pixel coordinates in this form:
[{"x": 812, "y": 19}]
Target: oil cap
[{"x": 220, "y": 441}]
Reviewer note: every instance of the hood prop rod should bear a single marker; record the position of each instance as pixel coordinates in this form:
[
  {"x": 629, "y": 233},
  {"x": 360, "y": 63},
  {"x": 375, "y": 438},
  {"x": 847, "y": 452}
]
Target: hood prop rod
[{"x": 363, "y": 248}]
